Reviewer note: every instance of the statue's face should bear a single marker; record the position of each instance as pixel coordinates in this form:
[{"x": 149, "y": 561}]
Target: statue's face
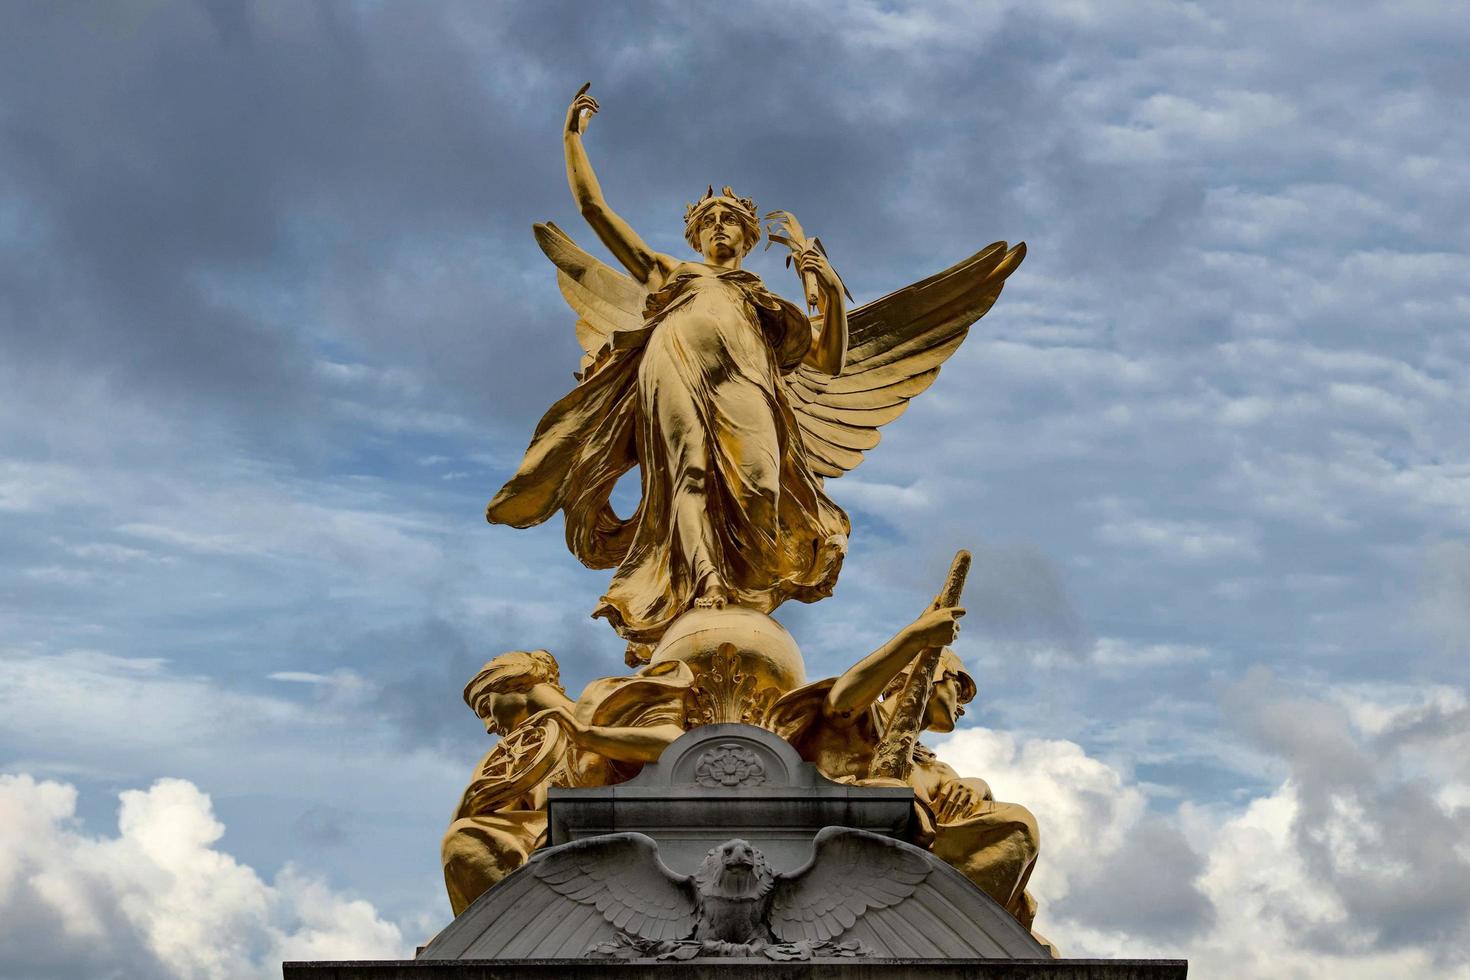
[
  {"x": 944, "y": 705},
  {"x": 721, "y": 233},
  {"x": 502, "y": 712}
]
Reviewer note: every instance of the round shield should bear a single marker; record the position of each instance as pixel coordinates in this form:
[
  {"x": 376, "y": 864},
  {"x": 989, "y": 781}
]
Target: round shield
[{"x": 518, "y": 763}]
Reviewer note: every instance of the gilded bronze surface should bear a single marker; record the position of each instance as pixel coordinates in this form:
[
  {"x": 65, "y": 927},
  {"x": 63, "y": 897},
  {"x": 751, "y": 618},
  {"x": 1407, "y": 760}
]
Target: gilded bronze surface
[{"x": 735, "y": 404}]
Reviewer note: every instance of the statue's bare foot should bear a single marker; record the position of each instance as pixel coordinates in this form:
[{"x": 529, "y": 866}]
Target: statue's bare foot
[{"x": 713, "y": 597}]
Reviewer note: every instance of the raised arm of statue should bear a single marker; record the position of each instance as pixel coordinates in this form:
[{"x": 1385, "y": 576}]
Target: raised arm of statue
[
  {"x": 822, "y": 288},
  {"x": 829, "y": 351},
  {"x": 620, "y": 238},
  {"x": 861, "y": 684}
]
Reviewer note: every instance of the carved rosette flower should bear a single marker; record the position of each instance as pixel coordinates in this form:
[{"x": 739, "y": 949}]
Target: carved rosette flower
[{"x": 729, "y": 766}]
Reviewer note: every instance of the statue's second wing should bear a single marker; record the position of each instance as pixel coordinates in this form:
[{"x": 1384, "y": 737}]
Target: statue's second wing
[
  {"x": 605, "y": 300},
  {"x": 851, "y": 871},
  {"x": 622, "y": 876},
  {"x": 895, "y": 346}
]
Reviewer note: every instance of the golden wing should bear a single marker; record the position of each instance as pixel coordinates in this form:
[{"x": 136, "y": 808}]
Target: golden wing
[
  {"x": 895, "y": 346},
  {"x": 605, "y": 300}
]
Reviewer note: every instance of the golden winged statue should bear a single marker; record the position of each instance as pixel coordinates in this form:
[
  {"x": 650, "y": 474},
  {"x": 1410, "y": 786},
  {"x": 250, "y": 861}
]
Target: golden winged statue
[{"x": 734, "y": 403}]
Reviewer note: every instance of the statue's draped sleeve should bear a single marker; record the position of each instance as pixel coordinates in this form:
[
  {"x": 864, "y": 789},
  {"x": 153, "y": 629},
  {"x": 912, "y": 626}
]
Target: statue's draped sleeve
[
  {"x": 656, "y": 695},
  {"x": 584, "y": 443},
  {"x": 653, "y": 696}
]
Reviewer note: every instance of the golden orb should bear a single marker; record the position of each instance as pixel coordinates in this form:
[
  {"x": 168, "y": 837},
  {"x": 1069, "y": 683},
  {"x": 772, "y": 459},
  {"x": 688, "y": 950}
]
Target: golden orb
[{"x": 762, "y": 645}]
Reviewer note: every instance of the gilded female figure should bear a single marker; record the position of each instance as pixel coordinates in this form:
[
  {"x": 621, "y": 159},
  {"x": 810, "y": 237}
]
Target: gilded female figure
[
  {"x": 731, "y": 508},
  {"x": 733, "y": 403}
]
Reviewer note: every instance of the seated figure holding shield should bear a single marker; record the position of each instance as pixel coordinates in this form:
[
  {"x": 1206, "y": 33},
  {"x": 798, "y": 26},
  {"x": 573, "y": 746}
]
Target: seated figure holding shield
[{"x": 602, "y": 738}]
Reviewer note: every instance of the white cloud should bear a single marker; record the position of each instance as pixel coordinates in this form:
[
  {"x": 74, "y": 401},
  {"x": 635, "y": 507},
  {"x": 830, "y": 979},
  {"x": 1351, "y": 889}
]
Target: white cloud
[
  {"x": 32, "y": 487},
  {"x": 1248, "y": 218},
  {"x": 1359, "y": 479},
  {"x": 299, "y": 677},
  {"x": 61, "y": 575},
  {"x": 403, "y": 420},
  {"x": 1085, "y": 806},
  {"x": 153, "y": 718},
  {"x": 1268, "y": 901},
  {"x": 1167, "y": 127},
  {"x": 268, "y": 522},
  {"x": 1073, "y": 368},
  {"x": 1111, "y": 651},
  {"x": 1175, "y": 540},
  {"x": 115, "y": 553},
  {"x": 398, "y": 381},
  {"x": 882, "y": 497},
  {"x": 1323, "y": 877},
  {"x": 158, "y": 899}
]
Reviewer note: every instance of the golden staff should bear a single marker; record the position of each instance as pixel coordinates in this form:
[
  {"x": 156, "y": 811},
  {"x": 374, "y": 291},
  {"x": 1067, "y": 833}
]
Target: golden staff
[{"x": 894, "y": 757}]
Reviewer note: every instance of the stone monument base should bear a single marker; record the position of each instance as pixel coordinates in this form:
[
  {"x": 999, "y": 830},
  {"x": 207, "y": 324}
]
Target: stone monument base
[
  {"x": 610, "y": 848},
  {"x": 742, "y": 969}
]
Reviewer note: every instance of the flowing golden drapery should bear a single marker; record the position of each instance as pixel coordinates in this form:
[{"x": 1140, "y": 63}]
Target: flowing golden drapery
[{"x": 730, "y": 501}]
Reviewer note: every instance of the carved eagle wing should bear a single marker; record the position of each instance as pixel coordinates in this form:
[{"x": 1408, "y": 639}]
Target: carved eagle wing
[
  {"x": 622, "y": 876},
  {"x": 895, "y": 346},
  {"x": 851, "y": 871}
]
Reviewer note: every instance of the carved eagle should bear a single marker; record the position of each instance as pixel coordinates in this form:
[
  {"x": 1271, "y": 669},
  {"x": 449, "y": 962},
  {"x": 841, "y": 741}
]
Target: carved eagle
[{"x": 734, "y": 897}]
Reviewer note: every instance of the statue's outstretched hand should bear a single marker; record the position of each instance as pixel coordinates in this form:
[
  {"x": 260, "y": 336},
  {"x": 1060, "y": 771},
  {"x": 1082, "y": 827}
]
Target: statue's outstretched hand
[
  {"x": 582, "y": 109},
  {"x": 936, "y": 628}
]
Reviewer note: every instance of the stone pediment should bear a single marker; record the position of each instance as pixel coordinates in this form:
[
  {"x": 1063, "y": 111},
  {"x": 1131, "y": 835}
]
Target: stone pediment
[
  {"x": 724, "y": 781},
  {"x": 622, "y": 856}
]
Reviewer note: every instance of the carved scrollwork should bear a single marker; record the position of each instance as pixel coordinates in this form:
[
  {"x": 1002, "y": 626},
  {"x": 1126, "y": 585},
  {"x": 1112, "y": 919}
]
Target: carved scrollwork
[{"x": 725, "y": 693}]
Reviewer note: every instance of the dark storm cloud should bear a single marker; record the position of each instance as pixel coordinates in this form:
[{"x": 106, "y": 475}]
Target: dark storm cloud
[
  {"x": 209, "y": 195},
  {"x": 1018, "y": 595},
  {"x": 419, "y": 670},
  {"x": 1147, "y": 887},
  {"x": 851, "y": 136},
  {"x": 187, "y": 180},
  {"x": 216, "y": 192},
  {"x": 323, "y": 826}
]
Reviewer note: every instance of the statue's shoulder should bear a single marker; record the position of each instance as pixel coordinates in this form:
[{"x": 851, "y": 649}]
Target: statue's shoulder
[
  {"x": 629, "y": 700},
  {"x": 800, "y": 716}
]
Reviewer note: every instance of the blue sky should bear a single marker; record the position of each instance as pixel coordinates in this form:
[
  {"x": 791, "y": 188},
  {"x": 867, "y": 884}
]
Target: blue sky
[{"x": 273, "y": 329}]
